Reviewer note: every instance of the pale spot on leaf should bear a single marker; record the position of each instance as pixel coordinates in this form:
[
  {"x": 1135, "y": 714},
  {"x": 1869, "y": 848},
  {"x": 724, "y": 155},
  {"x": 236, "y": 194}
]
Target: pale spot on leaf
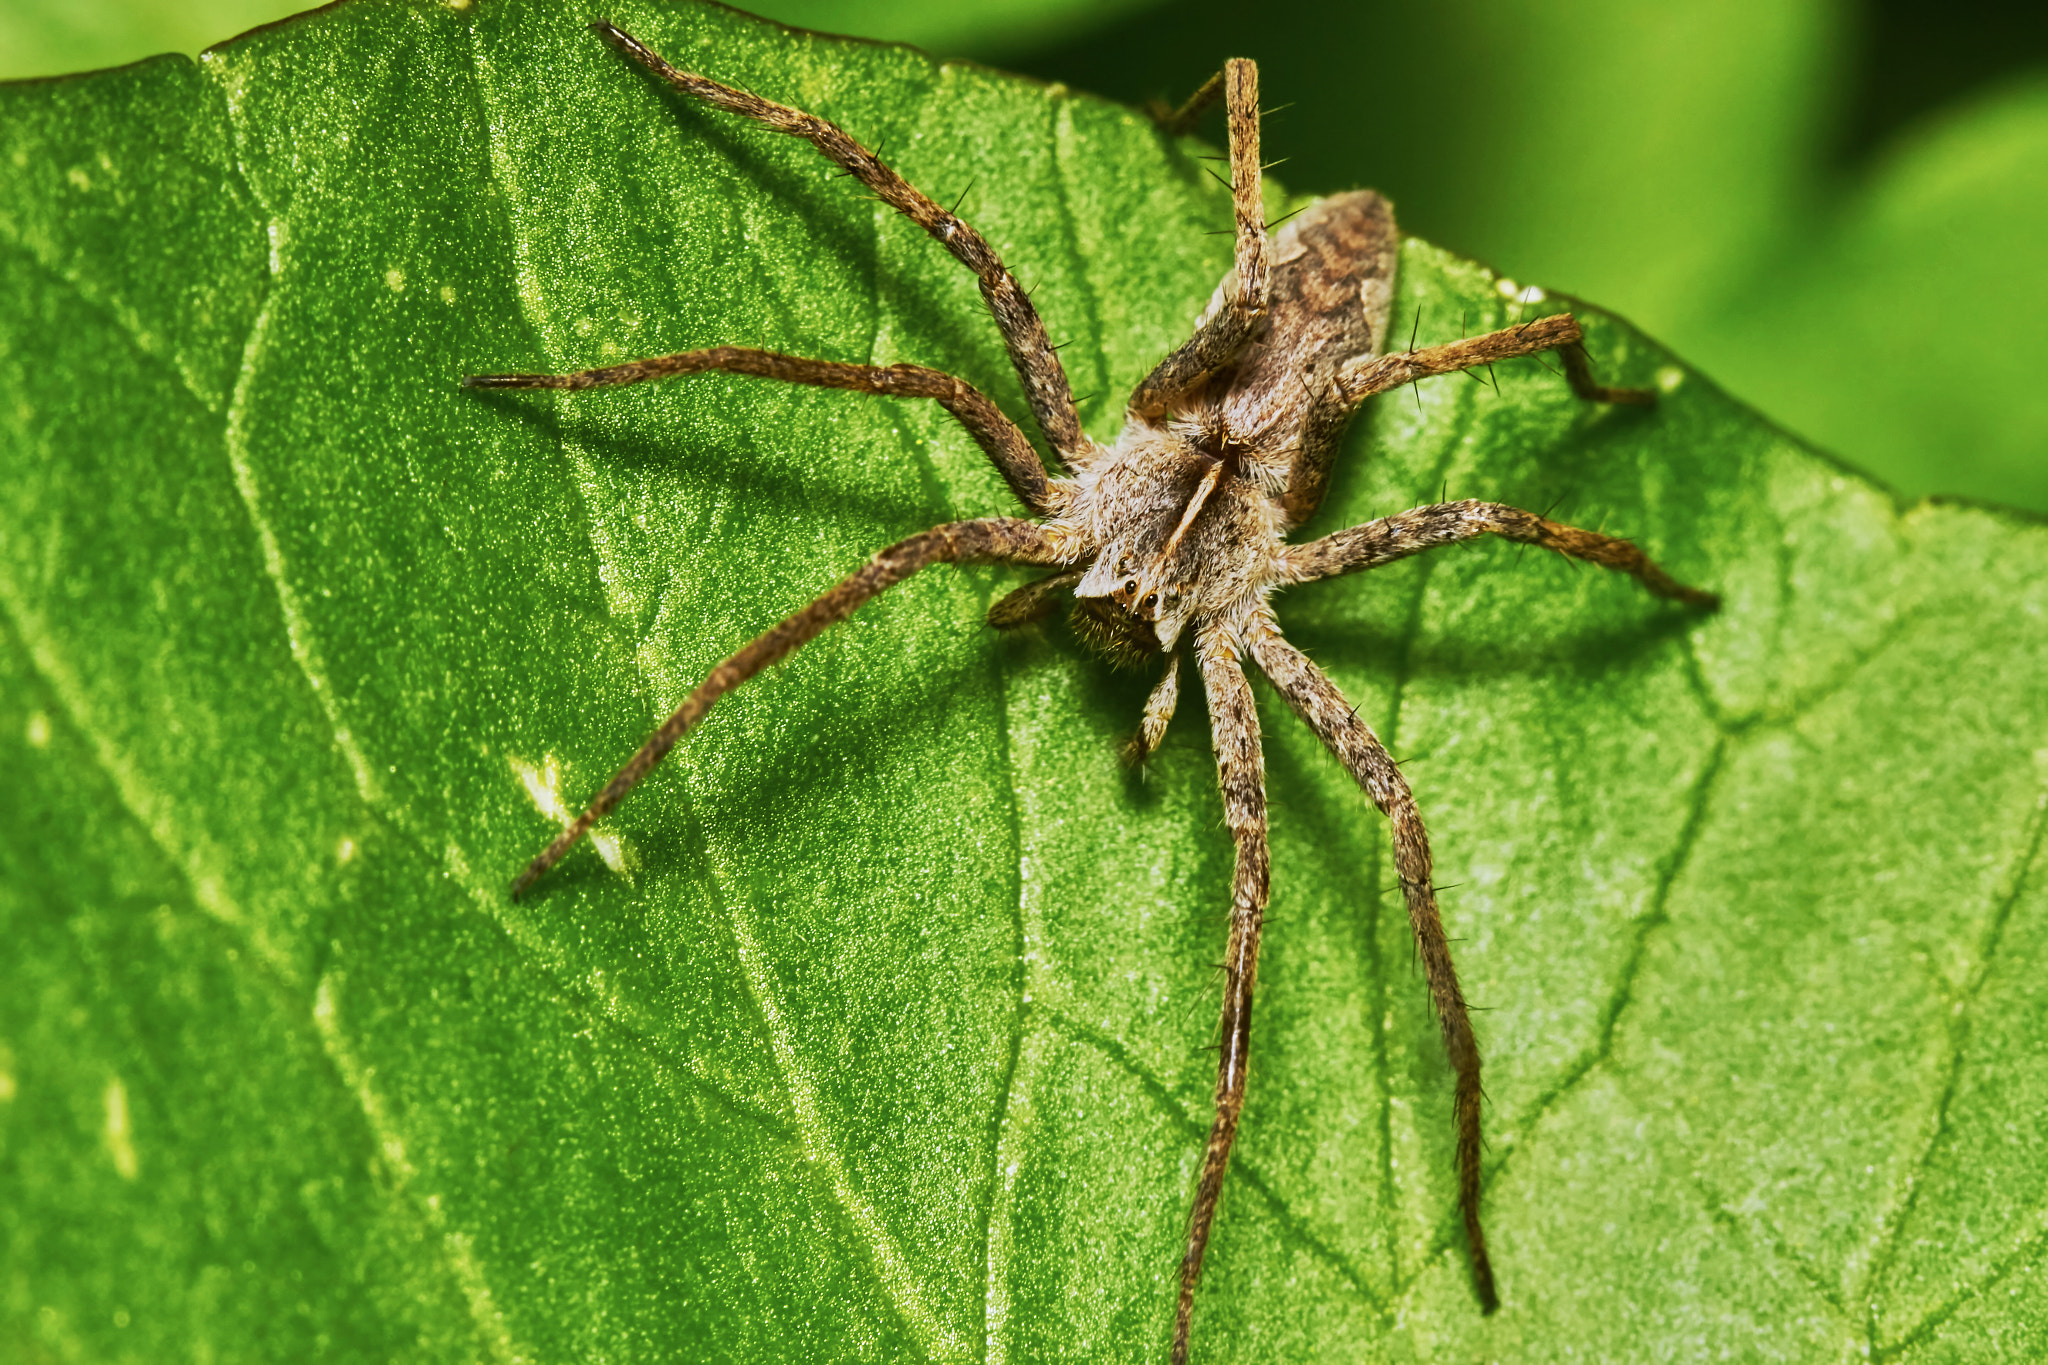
[
  {"x": 544, "y": 787},
  {"x": 120, "y": 1138}
]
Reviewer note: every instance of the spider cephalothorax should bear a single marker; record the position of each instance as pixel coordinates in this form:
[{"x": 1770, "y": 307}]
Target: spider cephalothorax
[
  {"x": 1172, "y": 539},
  {"x": 1174, "y": 509}
]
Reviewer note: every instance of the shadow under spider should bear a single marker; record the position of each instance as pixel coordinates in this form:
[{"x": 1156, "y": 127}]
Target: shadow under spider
[
  {"x": 1585, "y": 655},
  {"x": 942, "y": 331},
  {"x": 858, "y": 730},
  {"x": 714, "y": 463}
]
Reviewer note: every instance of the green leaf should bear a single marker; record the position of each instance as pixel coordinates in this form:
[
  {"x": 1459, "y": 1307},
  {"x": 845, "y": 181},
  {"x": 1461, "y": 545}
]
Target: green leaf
[
  {"x": 1895, "y": 331},
  {"x": 47, "y": 37},
  {"x": 885, "y": 1039}
]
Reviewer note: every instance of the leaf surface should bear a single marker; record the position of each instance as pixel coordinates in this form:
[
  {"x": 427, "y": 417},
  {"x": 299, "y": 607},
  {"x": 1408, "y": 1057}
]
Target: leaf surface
[
  {"x": 877, "y": 1029},
  {"x": 1901, "y": 315}
]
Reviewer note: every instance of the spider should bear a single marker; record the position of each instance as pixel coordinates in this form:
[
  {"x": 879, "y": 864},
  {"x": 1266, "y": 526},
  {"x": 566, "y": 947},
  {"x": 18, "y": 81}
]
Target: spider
[{"x": 1172, "y": 540}]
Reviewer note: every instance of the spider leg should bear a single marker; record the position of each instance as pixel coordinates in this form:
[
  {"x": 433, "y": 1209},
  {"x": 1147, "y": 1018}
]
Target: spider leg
[
  {"x": 1559, "y": 332},
  {"x": 1578, "y": 371},
  {"x": 1034, "y": 601},
  {"x": 1373, "y": 543},
  {"x": 996, "y": 434},
  {"x": 1364, "y": 378},
  {"x": 1241, "y": 773},
  {"x": 994, "y": 540},
  {"x": 1227, "y": 327},
  {"x": 1031, "y": 351},
  {"x": 1313, "y": 697},
  {"x": 1180, "y": 122},
  {"x": 1158, "y": 711}
]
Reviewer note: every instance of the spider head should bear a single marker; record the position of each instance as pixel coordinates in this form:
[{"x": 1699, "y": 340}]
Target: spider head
[
  {"x": 1177, "y": 519},
  {"x": 1128, "y": 609}
]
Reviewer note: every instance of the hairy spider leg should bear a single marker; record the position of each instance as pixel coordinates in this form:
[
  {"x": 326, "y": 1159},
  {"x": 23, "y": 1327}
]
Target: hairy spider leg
[
  {"x": 1320, "y": 435},
  {"x": 1578, "y": 371},
  {"x": 1386, "y": 539},
  {"x": 1158, "y": 712},
  {"x": 994, "y": 540},
  {"x": 1224, "y": 332},
  {"x": 998, "y": 437},
  {"x": 1309, "y": 692},
  {"x": 1241, "y": 774},
  {"x": 1031, "y": 351},
  {"x": 1362, "y": 379},
  {"x": 1034, "y": 601},
  {"x": 1180, "y": 122}
]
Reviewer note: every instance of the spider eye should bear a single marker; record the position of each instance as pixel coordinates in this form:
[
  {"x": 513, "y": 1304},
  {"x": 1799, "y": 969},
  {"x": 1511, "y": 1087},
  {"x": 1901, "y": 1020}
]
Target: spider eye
[
  {"x": 1151, "y": 601},
  {"x": 1130, "y": 585}
]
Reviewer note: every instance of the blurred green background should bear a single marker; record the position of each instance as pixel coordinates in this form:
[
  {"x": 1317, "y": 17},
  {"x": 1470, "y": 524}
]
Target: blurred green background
[{"x": 1835, "y": 207}]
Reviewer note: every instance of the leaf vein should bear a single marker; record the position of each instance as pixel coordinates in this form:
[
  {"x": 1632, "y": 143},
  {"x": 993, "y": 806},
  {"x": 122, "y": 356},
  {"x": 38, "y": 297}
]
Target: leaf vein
[
  {"x": 204, "y": 881},
  {"x": 2021, "y": 1257},
  {"x": 1293, "y": 1226},
  {"x": 1618, "y": 1002},
  {"x": 298, "y": 628},
  {"x": 1960, "y": 1028},
  {"x": 456, "y": 1251},
  {"x": 898, "y": 1281},
  {"x": 129, "y": 326},
  {"x": 1717, "y": 1211}
]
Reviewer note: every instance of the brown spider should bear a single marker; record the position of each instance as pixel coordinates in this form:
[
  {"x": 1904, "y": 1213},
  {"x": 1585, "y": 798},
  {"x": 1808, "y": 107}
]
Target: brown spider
[{"x": 1176, "y": 534}]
